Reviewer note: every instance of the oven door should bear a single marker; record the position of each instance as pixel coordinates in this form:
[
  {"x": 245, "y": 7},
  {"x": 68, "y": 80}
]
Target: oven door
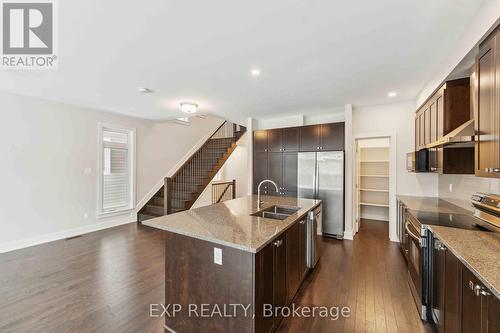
[{"x": 415, "y": 263}]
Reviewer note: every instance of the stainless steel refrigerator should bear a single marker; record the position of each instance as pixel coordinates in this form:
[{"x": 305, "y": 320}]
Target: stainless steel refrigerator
[{"x": 321, "y": 176}]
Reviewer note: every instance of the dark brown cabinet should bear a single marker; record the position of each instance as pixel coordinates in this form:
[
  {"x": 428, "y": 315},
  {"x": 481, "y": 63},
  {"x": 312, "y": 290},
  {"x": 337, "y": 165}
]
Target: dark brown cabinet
[
  {"x": 276, "y": 153},
  {"x": 274, "y": 140},
  {"x": 260, "y": 170},
  {"x": 310, "y": 138},
  {"x": 289, "y": 185},
  {"x": 322, "y": 137},
  {"x": 332, "y": 136},
  {"x": 303, "y": 269},
  {"x": 472, "y": 303},
  {"x": 275, "y": 171},
  {"x": 290, "y": 139},
  {"x": 443, "y": 112},
  {"x": 280, "y": 269},
  {"x": 487, "y": 110},
  {"x": 260, "y": 141},
  {"x": 293, "y": 256}
]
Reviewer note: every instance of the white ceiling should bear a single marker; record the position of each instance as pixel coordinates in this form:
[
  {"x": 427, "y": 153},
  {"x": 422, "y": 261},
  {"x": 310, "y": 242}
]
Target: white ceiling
[{"x": 313, "y": 54}]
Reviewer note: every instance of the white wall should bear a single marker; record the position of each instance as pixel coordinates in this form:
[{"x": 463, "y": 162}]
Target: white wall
[
  {"x": 236, "y": 167},
  {"x": 396, "y": 118},
  {"x": 45, "y": 147}
]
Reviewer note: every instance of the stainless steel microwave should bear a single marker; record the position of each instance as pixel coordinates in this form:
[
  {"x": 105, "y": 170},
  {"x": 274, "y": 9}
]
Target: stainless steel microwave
[{"x": 418, "y": 161}]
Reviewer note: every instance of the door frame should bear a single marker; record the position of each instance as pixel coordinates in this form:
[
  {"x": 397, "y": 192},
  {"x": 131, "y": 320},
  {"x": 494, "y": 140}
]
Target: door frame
[{"x": 392, "y": 179}]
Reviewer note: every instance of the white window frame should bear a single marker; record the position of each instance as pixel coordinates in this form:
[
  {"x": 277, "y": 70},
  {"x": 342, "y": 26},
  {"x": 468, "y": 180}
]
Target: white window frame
[{"x": 131, "y": 132}]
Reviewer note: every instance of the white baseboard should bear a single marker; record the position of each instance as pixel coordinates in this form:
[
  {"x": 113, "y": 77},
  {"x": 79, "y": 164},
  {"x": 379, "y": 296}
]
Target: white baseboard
[
  {"x": 348, "y": 235},
  {"x": 37, "y": 240}
]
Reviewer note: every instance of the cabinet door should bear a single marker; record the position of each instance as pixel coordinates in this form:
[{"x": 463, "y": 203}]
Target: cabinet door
[
  {"x": 290, "y": 137},
  {"x": 290, "y": 172},
  {"x": 452, "y": 288},
  {"x": 487, "y": 154},
  {"x": 417, "y": 131},
  {"x": 440, "y": 115},
  {"x": 332, "y": 136},
  {"x": 427, "y": 126},
  {"x": 260, "y": 141},
  {"x": 471, "y": 303},
  {"x": 493, "y": 314},
  {"x": 280, "y": 287},
  {"x": 303, "y": 269},
  {"x": 310, "y": 138},
  {"x": 292, "y": 263},
  {"x": 274, "y": 140},
  {"x": 275, "y": 172},
  {"x": 264, "y": 278},
  {"x": 433, "y": 121},
  {"x": 260, "y": 166}
]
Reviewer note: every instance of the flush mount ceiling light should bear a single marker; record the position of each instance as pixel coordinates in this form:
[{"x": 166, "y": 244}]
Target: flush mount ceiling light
[
  {"x": 189, "y": 107},
  {"x": 255, "y": 72},
  {"x": 392, "y": 94},
  {"x": 144, "y": 90}
]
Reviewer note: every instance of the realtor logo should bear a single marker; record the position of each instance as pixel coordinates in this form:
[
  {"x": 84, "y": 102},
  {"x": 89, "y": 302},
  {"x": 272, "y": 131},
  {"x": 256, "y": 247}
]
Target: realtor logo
[{"x": 28, "y": 34}]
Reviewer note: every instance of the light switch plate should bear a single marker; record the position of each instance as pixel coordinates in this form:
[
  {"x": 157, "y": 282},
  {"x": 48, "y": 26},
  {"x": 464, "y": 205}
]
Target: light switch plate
[{"x": 217, "y": 256}]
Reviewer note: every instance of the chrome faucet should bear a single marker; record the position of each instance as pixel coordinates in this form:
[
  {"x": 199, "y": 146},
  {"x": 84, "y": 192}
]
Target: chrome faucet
[{"x": 259, "y": 203}]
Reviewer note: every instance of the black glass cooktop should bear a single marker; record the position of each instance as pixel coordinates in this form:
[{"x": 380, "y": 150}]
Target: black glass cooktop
[{"x": 453, "y": 220}]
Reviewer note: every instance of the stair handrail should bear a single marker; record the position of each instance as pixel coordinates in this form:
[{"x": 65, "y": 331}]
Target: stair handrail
[{"x": 229, "y": 184}]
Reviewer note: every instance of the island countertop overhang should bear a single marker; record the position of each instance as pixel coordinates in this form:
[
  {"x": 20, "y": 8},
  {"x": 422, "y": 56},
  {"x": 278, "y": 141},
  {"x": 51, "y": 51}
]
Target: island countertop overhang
[{"x": 230, "y": 223}]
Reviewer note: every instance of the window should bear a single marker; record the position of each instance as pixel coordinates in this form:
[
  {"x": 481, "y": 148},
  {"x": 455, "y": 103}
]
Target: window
[{"x": 116, "y": 169}]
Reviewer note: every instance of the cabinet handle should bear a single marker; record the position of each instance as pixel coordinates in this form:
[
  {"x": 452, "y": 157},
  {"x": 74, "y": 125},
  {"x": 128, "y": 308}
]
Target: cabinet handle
[
  {"x": 278, "y": 243},
  {"x": 496, "y": 170},
  {"x": 317, "y": 148},
  {"x": 302, "y": 222},
  {"x": 484, "y": 293},
  {"x": 283, "y": 149},
  {"x": 433, "y": 169}
]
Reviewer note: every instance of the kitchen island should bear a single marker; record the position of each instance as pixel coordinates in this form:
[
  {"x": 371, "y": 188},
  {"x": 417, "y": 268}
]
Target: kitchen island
[{"x": 229, "y": 266}]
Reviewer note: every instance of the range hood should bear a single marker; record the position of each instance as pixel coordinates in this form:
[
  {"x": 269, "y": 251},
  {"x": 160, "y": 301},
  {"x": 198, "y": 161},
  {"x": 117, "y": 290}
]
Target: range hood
[{"x": 463, "y": 135}]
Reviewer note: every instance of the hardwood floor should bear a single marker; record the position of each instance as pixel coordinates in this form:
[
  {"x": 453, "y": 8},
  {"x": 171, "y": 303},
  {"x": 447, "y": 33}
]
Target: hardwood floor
[
  {"x": 105, "y": 281},
  {"x": 369, "y": 276}
]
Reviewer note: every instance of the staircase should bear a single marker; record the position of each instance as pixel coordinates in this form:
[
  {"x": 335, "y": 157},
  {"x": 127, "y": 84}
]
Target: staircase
[{"x": 181, "y": 190}]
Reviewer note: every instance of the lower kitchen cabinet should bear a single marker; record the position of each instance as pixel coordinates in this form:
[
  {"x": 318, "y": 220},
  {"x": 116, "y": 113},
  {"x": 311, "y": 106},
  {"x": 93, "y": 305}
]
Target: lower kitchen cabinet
[
  {"x": 280, "y": 269},
  {"x": 459, "y": 300}
]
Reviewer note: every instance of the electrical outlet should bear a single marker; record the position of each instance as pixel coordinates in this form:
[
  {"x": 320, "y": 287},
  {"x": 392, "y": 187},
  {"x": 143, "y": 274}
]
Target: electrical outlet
[
  {"x": 450, "y": 188},
  {"x": 217, "y": 256}
]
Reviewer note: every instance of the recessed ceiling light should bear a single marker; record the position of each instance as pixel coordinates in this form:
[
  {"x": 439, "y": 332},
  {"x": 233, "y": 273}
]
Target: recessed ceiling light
[
  {"x": 392, "y": 94},
  {"x": 145, "y": 90},
  {"x": 189, "y": 107},
  {"x": 255, "y": 72}
]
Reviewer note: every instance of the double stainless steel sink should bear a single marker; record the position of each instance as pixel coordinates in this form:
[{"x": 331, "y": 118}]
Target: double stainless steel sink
[{"x": 276, "y": 212}]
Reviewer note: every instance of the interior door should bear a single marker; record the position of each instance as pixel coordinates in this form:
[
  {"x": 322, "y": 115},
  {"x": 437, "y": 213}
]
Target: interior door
[
  {"x": 306, "y": 175},
  {"x": 330, "y": 188}
]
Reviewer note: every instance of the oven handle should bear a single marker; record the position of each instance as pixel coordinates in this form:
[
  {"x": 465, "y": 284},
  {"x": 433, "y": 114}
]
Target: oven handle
[{"x": 412, "y": 235}]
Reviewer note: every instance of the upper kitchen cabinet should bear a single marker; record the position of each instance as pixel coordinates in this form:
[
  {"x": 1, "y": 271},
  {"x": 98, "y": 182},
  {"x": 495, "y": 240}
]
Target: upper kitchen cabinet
[
  {"x": 322, "y": 137},
  {"x": 260, "y": 141},
  {"x": 290, "y": 139},
  {"x": 310, "y": 138},
  {"x": 487, "y": 108},
  {"x": 447, "y": 109},
  {"x": 277, "y": 140},
  {"x": 332, "y": 136}
]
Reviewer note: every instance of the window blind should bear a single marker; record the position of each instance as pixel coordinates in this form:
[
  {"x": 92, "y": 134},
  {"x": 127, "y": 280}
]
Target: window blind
[{"x": 116, "y": 171}]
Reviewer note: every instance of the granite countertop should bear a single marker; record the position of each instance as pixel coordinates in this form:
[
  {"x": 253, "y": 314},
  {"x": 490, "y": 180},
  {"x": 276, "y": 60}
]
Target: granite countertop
[
  {"x": 432, "y": 204},
  {"x": 229, "y": 223},
  {"x": 479, "y": 251}
]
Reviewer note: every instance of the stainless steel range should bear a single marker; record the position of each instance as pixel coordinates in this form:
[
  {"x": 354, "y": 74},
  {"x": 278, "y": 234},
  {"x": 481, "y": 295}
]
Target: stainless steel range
[{"x": 417, "y": 237}]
